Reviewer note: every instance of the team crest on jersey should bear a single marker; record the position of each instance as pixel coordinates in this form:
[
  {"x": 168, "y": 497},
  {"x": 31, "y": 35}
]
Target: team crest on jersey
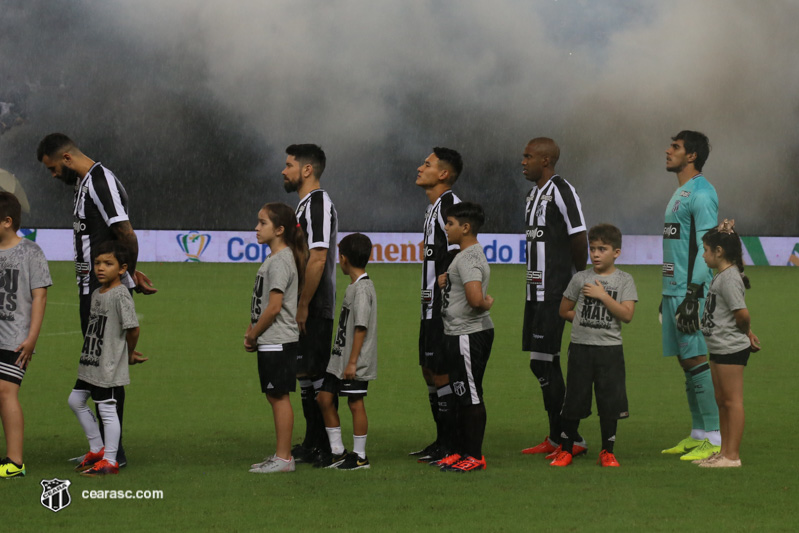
[
  {"x": 193, "y": 244},
  {"x": 55, "y": 494},
  {"x": 685, "y": 194},
  {"x": 676, "y": 207},
  {"x": 459, "y": 388}
]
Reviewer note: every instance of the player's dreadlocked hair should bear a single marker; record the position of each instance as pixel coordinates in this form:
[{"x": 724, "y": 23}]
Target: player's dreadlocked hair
[
  {"x": 730, "y": 242},
  {"x": 282, "y": 215}
]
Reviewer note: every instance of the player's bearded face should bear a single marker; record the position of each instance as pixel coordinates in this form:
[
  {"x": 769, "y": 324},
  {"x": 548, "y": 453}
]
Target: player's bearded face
[
  {"x": 67, "y": 175},
  {"x": 290, "y": 186}
]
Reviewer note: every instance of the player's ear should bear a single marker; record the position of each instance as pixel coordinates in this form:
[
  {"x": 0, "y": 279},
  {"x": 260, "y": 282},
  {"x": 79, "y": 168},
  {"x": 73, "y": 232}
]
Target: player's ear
[{"x": 123, "y": 268}]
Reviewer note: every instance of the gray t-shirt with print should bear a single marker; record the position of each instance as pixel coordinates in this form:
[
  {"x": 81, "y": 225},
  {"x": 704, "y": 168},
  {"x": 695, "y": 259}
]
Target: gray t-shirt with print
[
  {"x": 23, "y": 268},
  {"x": 725, "y": 295},
  {"x": 277, "y": 273},
  {"x": 104, "y": 359},
  {"x": 593, "y": 323},
  {"x": 460, "y": 318},
  {"x": 359, "y": 308}
]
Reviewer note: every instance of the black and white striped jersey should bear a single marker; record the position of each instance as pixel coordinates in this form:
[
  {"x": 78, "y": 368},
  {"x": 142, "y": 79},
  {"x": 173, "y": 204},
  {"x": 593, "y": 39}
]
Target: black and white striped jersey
[
  {"x": 318, "y": 218},
  {"x": 100, "y": 201},
  {"x": 553, "y": 213},
  {"x": 437, "y": 253}
]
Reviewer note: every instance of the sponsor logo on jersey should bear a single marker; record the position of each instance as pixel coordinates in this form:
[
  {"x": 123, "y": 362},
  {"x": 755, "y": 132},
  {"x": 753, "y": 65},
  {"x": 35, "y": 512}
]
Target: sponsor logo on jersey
[
  {"x": 676, "y": 207},
  {"x": 82, "y": 269},
  {"x": 534, "y": 233},
  {"x": 668, "y": 270},
  {"x": 193, "y": 244},
  {"x": 78, "y": 226},
  {"x": 428, "y": 252},
  {"x": 535, "y": 277},
  {"x": 55, "y": 494},
  {"x": 427, "y": 296},
  {"x": 671, "y": 230},
  {"x": 546, "y": 198},
  {"x": 685, "y": 194}
]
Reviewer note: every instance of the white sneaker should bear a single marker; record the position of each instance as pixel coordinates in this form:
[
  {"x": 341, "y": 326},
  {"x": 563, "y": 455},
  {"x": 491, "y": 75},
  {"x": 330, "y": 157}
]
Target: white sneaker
[
  {"x": 262, "y": 463},
  {"x": 274, "y": 464}
]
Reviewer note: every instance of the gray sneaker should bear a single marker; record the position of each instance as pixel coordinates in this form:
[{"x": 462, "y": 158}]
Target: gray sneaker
[{"x": 274, "y": 464}]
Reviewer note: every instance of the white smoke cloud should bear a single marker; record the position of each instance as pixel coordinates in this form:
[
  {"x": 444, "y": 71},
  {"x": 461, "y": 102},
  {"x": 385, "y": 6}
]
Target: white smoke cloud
[{"x": 377, "y": 84}]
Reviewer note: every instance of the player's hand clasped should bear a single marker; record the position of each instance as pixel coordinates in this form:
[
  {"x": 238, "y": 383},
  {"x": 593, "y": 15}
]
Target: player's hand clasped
[{"x": 687, "y": 314}]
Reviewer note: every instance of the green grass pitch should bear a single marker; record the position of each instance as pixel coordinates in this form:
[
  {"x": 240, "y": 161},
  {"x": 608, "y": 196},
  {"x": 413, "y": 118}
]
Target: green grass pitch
[{"x": 195, "y": 419}]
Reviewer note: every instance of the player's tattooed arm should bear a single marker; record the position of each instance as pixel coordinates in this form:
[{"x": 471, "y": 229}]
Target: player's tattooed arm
[{"x": 125, "y": 234}]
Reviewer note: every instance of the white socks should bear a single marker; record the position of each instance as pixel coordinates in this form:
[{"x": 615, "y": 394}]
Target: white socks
[
  {"x": 77, "y": 402},
  {"x": 334, "y": 436}
]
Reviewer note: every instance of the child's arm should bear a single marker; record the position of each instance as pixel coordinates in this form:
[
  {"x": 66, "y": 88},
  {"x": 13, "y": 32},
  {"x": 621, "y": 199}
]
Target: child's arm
[
  {"x": 39, "y": 297},
  {"x": 265, "y": 320},
  {"x": 743, "y": 323},
  {"x": 474, "y": 296},
  {"x": 622, "y": 310},
  {"x": 132, "y": 337},
  {"x": 358, "y": 336},
  {"x": 566, "y": 310}
]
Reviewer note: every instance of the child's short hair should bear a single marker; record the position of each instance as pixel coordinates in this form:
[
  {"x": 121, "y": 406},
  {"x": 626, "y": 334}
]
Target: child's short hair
[
  {"x": 606, "y": 233},
  {"x": 115, "y": 248},
  {"x": 10, "y": 207},
  {"x": 468, "y": 212},
  {"x": 357, "y": 248}
]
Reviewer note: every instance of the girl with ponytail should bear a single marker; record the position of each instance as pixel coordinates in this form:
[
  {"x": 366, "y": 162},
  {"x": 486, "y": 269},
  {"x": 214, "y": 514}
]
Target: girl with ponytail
[
  {"x": 729, "y": 338},
  {"x": 273, "y": 331}
]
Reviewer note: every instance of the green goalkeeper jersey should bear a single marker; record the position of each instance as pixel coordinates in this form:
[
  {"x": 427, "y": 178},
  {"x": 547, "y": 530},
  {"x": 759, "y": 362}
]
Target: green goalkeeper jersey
[{"x": 691, "y": 212}]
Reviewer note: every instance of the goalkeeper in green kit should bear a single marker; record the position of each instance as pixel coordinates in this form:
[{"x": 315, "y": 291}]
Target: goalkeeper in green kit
[{"x": 691, "y": 212}]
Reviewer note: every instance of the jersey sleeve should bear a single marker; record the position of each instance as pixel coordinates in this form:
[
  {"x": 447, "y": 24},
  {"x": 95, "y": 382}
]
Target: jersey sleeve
[
  {"x": 361, "y": 307},
  {"x": 628, "y": 292},
  {"x": 127, "y": 310},
  {"x": 469, "y": 269},
  {"x": 572, "y": 291},
  {"x": 705, "y": 210},
  {"x": 38, "y": 268},
  {"x": 446, "y": 202},
  {"x": 734, "y": 294},
  {"x": 319, "y": 218},
  {"x": 570, "y": 207},
  {"x": 279, "y": 276},
  {"x": 105, "y": 193}
]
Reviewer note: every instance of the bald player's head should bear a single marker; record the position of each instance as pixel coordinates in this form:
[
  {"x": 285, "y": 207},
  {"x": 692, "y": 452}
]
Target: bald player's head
[{"x": 546, "y": 147}]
